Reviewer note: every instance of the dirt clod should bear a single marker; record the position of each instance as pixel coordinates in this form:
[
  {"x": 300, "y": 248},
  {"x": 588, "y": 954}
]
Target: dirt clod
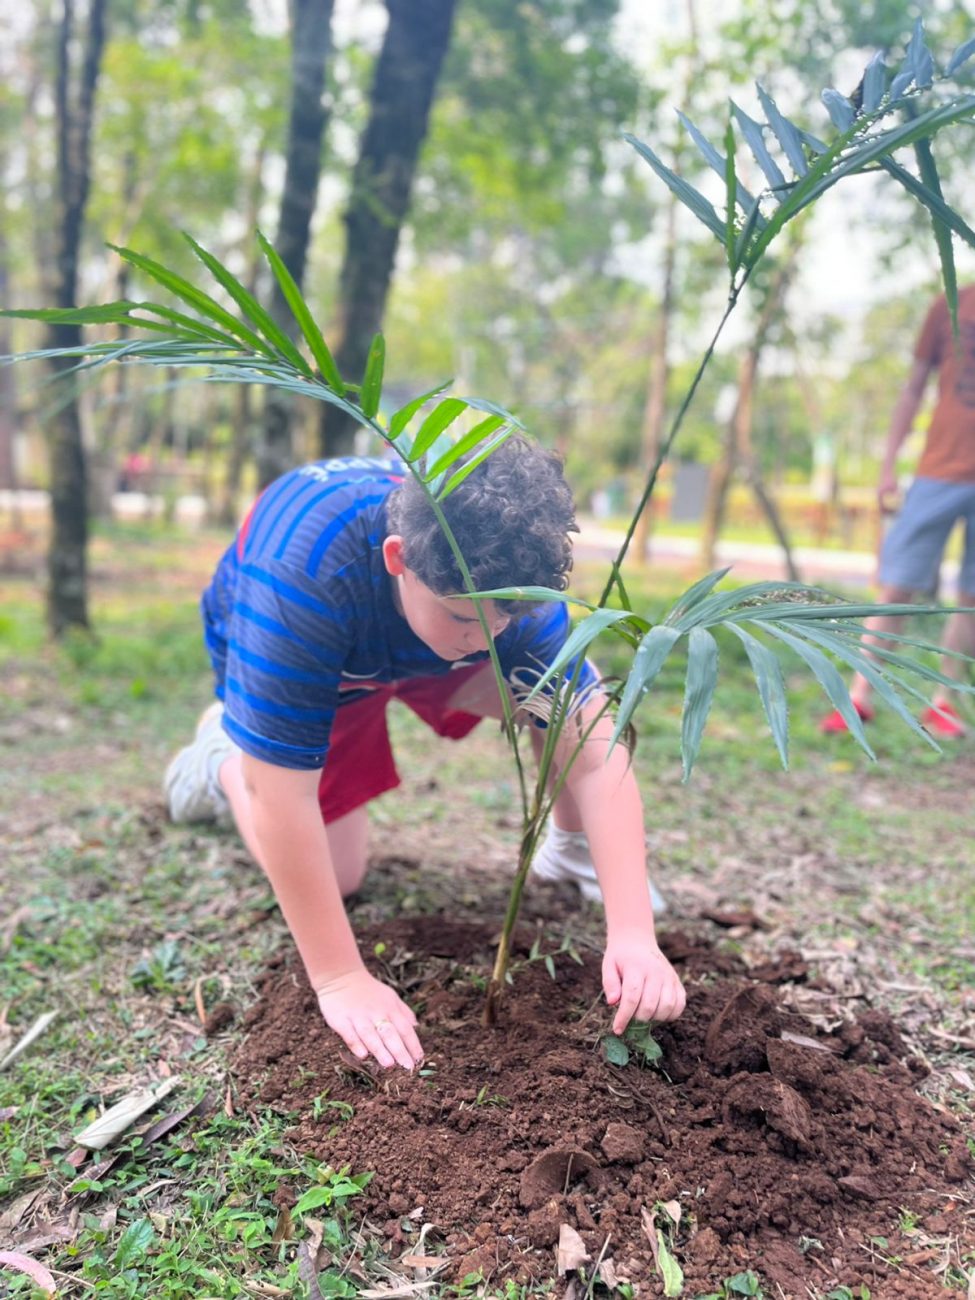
[{"x": 766, "y": 1142}]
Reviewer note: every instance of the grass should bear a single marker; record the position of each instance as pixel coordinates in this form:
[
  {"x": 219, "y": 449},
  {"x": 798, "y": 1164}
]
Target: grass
[{"x": 124, "y": 925}]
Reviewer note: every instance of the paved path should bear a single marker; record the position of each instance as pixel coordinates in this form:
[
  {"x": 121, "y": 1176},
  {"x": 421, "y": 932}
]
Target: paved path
[{"x": 855, "y": 569}]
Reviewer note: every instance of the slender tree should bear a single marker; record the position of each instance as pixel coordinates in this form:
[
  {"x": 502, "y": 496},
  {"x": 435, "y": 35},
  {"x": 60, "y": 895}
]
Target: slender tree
[
  {"x": 403, "y": 88},
  {"x": 67, "y": 596},
  {"x": 310, "y": 44}
]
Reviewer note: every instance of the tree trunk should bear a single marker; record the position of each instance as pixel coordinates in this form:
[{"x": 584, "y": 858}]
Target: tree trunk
[
  {"x": 67, "y": 596},
  {"x": 738, "y": 439},
  {"x": 402, "y": 92},
  {"x": 8, "y": 395},
  {"x": 240, "y": 430},
  {"x": 655, "y": 410},
  {"x": 310, "y": 41}
]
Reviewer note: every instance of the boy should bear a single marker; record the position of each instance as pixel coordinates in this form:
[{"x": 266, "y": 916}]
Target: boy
[{"x": 339, "y": 593}]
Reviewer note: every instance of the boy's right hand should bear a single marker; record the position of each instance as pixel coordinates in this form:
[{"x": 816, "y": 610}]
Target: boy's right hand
[{"x": 372, "y": 1021}]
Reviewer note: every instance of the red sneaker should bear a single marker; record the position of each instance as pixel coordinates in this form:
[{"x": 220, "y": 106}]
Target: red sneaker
[
  {"x": 835, "y": 723},
  {"x": 943, "y": 721}
]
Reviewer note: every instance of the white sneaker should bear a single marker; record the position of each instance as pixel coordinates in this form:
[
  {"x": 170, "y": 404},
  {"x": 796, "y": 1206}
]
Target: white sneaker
[
  {"x": 191, "y": 787},
  {"x": 564, "y": 855}
]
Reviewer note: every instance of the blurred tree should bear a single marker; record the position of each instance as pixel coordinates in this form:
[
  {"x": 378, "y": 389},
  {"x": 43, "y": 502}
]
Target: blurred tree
[
  {"x": 403, "y": 87},
  {"x": 74, "y": 89},
  {"x": 310, "y": 40}
]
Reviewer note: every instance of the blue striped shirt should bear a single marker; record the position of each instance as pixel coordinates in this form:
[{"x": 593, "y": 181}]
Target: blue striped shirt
[{"x": 300, "y": 617}]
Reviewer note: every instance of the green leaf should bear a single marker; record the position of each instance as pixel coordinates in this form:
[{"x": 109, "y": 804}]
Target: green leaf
[
  {"x": 753, "y": 220},
  {"x": 942, "y": 230},
  {"x": 919, "y": 61},
  {"x": 405, "y": 414},
  {"x": 670, "y": 1271},
  {"x": 314, "y": 1199},
  {"x": 372, "y": 381},
  {"x": 693, "y": 596},
  {"x": 441, "y": 417},
  {"x": 771, "y": 688},
  {"x": 787, "y": 135},
  {"x": 299, "y": 309},
  {"x": 134, "y": 1242},
  {"x": 456, "y": 450},
  {"x": 647, "y": 663},
  {"x": 826, "y": 673},
  {"x": 688, "y": 195},
  {"x": 960, "y": 56},
  {"x": 755, "y": 140},
  {"x": 840, "y": 109},
  {"x": 931, "y": 199},
  {"x": 730, "y": 183},
  {"x": 615, "y": 1050},
  {"x": 251, "y": 307},
  {"x": 822, "y": 175},
  {"x": 578, "y": 642},
  {"x": 702, "y": 677},
  {"x": 854, "y": 657},
  {"x": 874, "y": 81},
  {"x": 744, "y": 1284},
  {"x": 715, "y": 160},
  {"x": 469, "y": 466},
  {"x": 196, "y": 298}
]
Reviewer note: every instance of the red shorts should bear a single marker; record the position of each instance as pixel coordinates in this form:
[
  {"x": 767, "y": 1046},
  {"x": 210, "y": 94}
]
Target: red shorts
[{"x": 360, "y": 765}]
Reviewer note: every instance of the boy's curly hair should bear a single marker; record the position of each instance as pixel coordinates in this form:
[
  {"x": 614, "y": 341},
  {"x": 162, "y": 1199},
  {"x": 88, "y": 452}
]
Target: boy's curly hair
[{"x": 511, "y": 517}]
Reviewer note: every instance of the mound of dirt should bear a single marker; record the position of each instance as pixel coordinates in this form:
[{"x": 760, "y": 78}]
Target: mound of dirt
[{"x": 789, "y": 1150}]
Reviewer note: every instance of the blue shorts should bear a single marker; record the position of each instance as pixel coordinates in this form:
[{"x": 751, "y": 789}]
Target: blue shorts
[{"x": 913, "y": 549}]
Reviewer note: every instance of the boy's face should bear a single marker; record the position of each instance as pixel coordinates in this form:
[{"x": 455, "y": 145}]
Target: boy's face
[{"x": 448, "y": 625}]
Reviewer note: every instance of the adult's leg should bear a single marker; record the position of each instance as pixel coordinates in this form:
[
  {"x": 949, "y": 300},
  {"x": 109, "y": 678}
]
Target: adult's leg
[
  {"x": 347, "y": 836},
  {"x": 860, "y": 688},
  {"x": 960, "y": 637}
]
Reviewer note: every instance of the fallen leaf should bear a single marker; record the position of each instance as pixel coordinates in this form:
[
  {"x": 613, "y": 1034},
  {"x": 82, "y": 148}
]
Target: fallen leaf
[
  {"x": 650, "y": 1228},
  {"x": 673, "y": 1211},
  {"x": 284, "y": 1229},
  {"x": 12, "y": 1216},
  {"x": 123, "y": 1114},
  {"x": 8, "y": 1112},
  {"x": 35, "y": 1031},
  {"x": 24, "y": 1264},
  {"x": 422, "y": 1261},
  {"x": 608, "y": 1275},
  {"x": 571, "y": 1253},
  {"x": 964, "y": 1078}
]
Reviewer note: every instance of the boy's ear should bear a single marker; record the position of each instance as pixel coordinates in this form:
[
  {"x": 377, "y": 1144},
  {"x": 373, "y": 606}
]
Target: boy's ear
[{"x": 393, "y": 556}]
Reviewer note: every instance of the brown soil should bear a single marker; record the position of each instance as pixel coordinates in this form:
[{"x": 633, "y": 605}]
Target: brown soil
[{"x": 790, "y": 1150}]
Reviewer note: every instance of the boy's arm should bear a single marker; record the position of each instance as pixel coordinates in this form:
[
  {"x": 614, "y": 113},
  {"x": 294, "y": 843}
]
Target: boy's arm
[
  {"x": 292, "y": 847},
  {"x": 637, "y": 978}
]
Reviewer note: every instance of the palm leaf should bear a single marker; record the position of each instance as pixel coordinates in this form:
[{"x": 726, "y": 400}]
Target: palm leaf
[
  {"x": 855, "y": 658},
  {"x": 715, "y": 160},
  {"x": 827, "y": 674},
  {"x": 688, "y": 195},
  {"x": 469, "y": 466},
  {"x": 299, "y": 309},
  {"x": 372, "y": 381},
  {"x": 196, "y": 298},
  {"x": 251, "y": 308},
  {"x": 787, "y": 135},
  {"x": 702, "y": 677},
  {"x": 771, "y": 687},
  {"x": 755, "y": 140},
  {"x": 463, "y": 445},
  {"x": 647, "y": 663},
  {"x": 578, "y": 642},
  {"x": 440, "y": 418},
  {"x": 401, "y": 418}
]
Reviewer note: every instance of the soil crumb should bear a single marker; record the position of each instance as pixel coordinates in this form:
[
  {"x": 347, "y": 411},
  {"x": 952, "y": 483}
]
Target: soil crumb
[{"x": 790, "y": 1151}]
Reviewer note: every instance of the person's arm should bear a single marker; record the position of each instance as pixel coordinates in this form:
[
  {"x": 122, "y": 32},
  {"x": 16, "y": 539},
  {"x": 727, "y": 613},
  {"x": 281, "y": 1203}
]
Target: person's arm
[
  {"x": 637, "y": 978},
  {"x": 293, "y": 849},
  {"x": 901, "y": 423}
]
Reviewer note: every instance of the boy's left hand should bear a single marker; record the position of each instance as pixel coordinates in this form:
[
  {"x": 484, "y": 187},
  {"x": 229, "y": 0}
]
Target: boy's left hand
[{"x": 639, "y": 981}]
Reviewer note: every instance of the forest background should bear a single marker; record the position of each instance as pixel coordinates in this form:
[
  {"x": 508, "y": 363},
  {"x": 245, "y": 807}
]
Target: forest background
[{"x": 453, "y": 173}]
